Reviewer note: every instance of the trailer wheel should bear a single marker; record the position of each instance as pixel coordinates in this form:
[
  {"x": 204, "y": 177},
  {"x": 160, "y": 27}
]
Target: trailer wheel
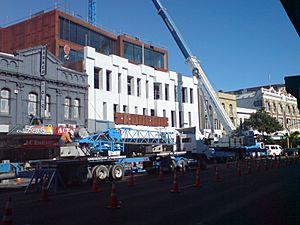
[
  {"x": 117, "y": 172},
  {"x": 102, "y": 172}
]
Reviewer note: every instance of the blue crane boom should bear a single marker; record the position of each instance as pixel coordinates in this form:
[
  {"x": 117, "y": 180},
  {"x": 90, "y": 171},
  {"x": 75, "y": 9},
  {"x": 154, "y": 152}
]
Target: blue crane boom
[
  {"x": 203, "y": 83},
  {"x": 92, "y": 12}
]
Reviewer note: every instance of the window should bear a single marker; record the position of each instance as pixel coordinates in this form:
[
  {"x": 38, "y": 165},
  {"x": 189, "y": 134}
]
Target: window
[
  {"x": 67, "y": 108},
  {"x": 48, "y": 106},
  {"x": 216, "y": 124},
  {"x": 116, "y": 108},
  {"x": 223, "y": 104},
  {"x": 81, "y": 35},
  {"x": 156, "y": 89},
  {"x": 130, "y": 87},
  {"x": 184, "y": 94},
  {"x": 136, "y": 110},
  {"x": 133, "y": 52},
  {"x": 230, "y": 109},
  {"x": 173, "y": 118},
  {"x": 166, "y": 92},
  {"x": 186, "y": 140},
  {"x": 32, "y": 104},
  {"x": 175, "y": 94},
  {"x": 138, "y": 87},
  {"x": 191, "y": 96},
  {"x": 108, "y": 80},
  {"x": 274, "y": 108},
  {"x": 5, "y": 101},
  {"x": 145, "y": 111},
  {"x": 267, "y": 105},
  {"x": 76, "y": 108},
  {"x": 119, "y": 83},
  {"x": 164, "y": 113},
  {"x": 152, "y": 112},
  {"x": 154, "y": 58},
  {"x": 125, "y": 109},
  {"x": 96, "y": 78}
]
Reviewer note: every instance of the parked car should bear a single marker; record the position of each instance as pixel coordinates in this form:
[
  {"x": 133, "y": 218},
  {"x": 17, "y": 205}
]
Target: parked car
[{"x": 274, "y": 150}]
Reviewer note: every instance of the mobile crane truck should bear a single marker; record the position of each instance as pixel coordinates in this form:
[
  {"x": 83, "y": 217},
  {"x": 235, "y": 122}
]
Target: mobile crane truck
[{"x": 231, "y": 145}]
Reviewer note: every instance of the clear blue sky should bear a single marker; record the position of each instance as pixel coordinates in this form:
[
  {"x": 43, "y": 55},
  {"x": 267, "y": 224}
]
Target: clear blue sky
[{"x": 239, "y": 43}]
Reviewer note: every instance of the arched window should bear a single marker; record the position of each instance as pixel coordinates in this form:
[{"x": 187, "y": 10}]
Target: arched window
[
  {"x": 231, "y": 109},
  {"x": 5, "y": 101},
  {"x": 76, "y": 108},
  {"x": 67, "y": 108},
  {"x": 47, "y": 106},
  {"x": 274, "y": 108},
  {"x": 32, "y": 104},
  {"x": 267, "y": 106},
  {"x": 223, "y": 105}
]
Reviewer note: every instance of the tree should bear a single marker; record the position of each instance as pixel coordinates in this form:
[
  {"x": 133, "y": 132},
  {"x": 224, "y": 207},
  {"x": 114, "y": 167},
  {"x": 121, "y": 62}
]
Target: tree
[{"x": 262, "y": 122}]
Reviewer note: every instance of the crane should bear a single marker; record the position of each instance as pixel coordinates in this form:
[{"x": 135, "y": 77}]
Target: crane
[
  {"x": 92, "y": 12},
  {"x": 194, "y": 64}
]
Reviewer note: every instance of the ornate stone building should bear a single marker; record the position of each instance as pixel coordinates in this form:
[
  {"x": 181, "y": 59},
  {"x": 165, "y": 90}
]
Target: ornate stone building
[
  {"x": 34, "y": 84},
  {"x": 275, "y": 100}
]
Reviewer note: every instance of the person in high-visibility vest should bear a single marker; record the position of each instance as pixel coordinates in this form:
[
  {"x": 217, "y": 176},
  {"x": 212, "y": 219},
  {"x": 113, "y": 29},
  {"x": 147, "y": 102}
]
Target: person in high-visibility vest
[{"x": 65, "y": 138}]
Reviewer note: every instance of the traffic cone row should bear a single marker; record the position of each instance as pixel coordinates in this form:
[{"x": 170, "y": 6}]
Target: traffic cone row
[{"x": 7, "y": 215}]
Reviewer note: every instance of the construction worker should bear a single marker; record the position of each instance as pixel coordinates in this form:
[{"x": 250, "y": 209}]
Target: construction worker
[{"x": 65, "y": 138}]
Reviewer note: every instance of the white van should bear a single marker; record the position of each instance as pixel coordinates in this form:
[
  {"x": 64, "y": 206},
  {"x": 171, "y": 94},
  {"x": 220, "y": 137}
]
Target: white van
[{"x": 274, "y": 149}]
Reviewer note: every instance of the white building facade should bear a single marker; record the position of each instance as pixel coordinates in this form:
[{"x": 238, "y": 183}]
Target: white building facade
[{"x": 116, "y": 85}]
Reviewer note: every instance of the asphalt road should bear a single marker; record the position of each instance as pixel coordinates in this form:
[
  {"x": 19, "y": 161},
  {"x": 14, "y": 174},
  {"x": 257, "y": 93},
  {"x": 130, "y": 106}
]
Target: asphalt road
[{"x": 266, "y": 197}]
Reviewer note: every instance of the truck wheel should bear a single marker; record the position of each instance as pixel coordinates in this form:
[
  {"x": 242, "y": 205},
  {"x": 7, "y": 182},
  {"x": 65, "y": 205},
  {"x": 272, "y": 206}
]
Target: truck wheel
[
  {"x": 102, "y": 172},
  {"x": 117, "y": 172}
]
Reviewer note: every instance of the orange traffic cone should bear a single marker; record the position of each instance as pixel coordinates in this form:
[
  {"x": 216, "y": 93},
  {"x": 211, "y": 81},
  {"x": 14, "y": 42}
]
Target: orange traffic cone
[
  {"x": 131, "y": 182},
  {"x": 44, "y": 192},
  {"x": 198, "y": 180},
  {"x": 114, "y": 203},
  {"x": 7, "y": 215},
  {"x": 95, "y": 187},
  {"x": 175, "y": 188},
  {"x": 161, "y": 175}
]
